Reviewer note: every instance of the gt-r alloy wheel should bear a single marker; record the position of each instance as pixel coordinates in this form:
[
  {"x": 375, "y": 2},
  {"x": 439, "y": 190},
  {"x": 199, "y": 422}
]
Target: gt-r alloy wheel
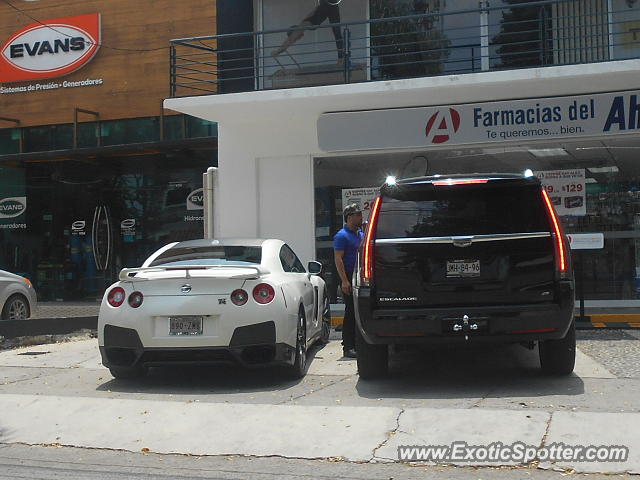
[
  {"x": 16, "y": 308},
  {"x": 326, "y": 320},
  {"x": 299, "y": 367}
]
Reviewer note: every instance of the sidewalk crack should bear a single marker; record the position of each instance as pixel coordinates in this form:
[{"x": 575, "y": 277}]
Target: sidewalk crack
[
  {"x": 477, "y": 404},
  {"x": 390, "y": 434},
  {"x": 546, "y": 431},
  {"x": 302, "y": 395}
]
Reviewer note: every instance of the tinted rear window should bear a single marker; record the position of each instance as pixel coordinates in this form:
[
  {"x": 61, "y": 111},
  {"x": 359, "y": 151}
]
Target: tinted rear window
[
  {"x": 463, "y": 210},
  {"x": 221, "y": 255}
]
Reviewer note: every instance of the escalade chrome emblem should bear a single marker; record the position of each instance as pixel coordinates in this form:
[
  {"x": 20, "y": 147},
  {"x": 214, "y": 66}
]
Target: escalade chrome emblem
[
  {"x": 398, "y": 299},
  {"x": 186, "y": 288},
  {"x": 462, "y": 241}
]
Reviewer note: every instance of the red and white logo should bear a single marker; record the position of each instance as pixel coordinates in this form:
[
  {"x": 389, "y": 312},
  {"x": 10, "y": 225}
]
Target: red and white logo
[
  {"x": 442, "y": 125},
  {"x": 50, "y": 49}
]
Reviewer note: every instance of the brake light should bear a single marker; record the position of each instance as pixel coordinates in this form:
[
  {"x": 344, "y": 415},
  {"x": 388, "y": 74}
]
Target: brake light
[
  {"x": 367, "y": 255},
  {"x": 467, "y": 181},
  {"x": 239, "y": 297},
  {"x": 560, "y": 249},
  {"x": 116, "y": 296},
  {"x": 263, "y": 293},
  {"x": 136, "y": 299}
]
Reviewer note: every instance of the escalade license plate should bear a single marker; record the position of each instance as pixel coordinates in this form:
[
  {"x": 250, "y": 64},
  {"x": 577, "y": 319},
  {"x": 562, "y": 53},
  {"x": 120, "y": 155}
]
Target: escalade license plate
[
  {"x": 463, "y": 268},
  {"x": 185, "y": 325}
]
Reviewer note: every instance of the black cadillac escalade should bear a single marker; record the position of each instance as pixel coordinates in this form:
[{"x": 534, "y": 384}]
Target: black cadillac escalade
[{"x": 464, "y": 258}]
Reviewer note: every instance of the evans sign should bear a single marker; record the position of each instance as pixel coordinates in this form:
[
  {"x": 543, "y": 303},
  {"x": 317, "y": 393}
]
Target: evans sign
[
  {"x": 495, "y": 122},
  {"x": 52, "y": 49},
  {"x": 195, "y": 200},
  {"x": 12, "y": 207}
]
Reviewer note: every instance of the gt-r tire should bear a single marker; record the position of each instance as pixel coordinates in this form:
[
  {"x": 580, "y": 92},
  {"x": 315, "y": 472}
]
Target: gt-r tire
[
  {"x": 558, "y": 357},
  {"x": 126, "y": 373},
  {"x": 15, "y": 308},
  {"x": 372, "y": 360},
  {"x": 326, "y": 320},
  {"x": 299, "y": 367}
]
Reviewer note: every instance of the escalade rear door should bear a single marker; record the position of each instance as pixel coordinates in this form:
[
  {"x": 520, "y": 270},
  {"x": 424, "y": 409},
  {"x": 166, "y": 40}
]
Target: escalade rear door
[{"x": 463, "y": 244}]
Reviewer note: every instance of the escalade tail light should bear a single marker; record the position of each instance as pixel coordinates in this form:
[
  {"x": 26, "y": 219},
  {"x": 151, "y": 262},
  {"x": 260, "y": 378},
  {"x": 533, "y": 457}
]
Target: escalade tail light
[
  {"x": 560, "y": 246},
  {"x": 369, "y": 247}
]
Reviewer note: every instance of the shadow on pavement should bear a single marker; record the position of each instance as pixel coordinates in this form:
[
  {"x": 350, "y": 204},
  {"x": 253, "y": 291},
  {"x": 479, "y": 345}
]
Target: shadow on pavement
[
  {"x": 214, "y": 379},
  {"x": 440, "y": 372}
]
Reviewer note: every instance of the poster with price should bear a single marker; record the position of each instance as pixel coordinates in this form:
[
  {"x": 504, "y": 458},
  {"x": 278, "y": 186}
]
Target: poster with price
[
  {"x": 362, "y": 196},
  {"x": 566, "y": 189}
]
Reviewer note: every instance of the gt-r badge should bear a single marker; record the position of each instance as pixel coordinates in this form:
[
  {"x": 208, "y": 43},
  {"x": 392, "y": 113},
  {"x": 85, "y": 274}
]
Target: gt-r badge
[{"x": 186, "y": 288}]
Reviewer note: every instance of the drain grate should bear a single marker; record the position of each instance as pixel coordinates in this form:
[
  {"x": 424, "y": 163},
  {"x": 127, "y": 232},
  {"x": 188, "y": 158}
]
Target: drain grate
[{"x": 33, "y": 353}]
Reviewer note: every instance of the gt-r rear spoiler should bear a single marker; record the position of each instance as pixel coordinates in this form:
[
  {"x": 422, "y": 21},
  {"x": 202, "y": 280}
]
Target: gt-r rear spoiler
[{"x": 252, "y": 272}]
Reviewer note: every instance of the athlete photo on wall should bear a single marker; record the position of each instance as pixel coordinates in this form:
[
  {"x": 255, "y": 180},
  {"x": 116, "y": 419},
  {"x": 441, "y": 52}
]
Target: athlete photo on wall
[{"x": 324, "y": 10}]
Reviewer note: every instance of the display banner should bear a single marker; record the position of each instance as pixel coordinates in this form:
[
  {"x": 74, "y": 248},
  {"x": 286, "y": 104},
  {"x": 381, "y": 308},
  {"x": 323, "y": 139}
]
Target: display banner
[
  {"x": 566, "y": 189},
  {"x": 362, "y": 196},
  {"x": 495, "y": 122}
]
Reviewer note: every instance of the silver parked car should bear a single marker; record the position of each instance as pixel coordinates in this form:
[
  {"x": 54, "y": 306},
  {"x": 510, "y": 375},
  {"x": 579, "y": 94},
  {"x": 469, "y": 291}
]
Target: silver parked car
[{"x": 17, "y": 297}]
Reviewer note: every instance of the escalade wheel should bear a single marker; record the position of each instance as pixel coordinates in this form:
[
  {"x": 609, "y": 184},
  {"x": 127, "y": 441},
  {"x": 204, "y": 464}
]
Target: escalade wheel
[
  {"x": 558, "y": 357},
  {"x": 372, "y": 360}
]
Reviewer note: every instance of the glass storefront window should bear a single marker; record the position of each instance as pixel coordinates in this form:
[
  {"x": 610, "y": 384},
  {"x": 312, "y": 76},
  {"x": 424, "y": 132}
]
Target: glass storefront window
[
  {"x": 197, "y": 127},
  {"x": 48, "y": 137},
  {"x": 86, "y": 219},
  {"x": 625, "y": 29},
  {"x": 114, "y": 132},
  {"x": 9, "y": 141},
  {"x": 605, "y": 200},
  {"x": 133, "y": 130},
  {"x": 87, "y": 134},
  {"x": 410, "y": 47}
]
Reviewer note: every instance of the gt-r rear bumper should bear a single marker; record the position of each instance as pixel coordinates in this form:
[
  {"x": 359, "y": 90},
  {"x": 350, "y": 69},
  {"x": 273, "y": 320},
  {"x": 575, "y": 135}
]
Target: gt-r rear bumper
[{"x": 250, "y": 346}]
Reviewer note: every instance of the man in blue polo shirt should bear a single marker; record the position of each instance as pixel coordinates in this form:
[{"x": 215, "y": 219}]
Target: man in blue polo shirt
[{"x": 345, "y": 250}]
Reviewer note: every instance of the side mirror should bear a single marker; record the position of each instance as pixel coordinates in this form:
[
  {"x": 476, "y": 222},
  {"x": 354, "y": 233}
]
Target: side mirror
[{"x": 314, "y": 268}]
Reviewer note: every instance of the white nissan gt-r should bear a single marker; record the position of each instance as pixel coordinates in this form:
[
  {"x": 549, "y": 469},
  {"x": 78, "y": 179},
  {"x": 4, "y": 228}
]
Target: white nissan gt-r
[{"x": 249, "y": 302}]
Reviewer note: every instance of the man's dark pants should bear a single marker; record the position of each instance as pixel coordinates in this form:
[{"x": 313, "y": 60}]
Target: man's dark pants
[{"x": 349, "y": 322}]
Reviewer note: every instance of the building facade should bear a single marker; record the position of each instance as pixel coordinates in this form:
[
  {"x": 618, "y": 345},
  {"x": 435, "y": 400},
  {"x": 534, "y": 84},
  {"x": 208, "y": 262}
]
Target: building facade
[
  {"x": 94, "y": 173},
  {"x": 312, "y": 115}
]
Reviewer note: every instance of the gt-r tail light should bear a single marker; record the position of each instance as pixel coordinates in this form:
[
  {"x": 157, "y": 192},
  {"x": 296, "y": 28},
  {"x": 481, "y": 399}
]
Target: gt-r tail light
[
  {"x": 136, "y": 299},
  {"x": 263, "y": 293},
  {"x": 239, "y": 297},
  {"x": 116, "y": 296},
  {"x": 560, "y": 247},
  {"x": 369, "y": 241}
]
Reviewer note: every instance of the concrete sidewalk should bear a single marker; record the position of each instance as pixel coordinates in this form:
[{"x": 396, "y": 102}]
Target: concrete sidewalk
[
  {"x": 360, "y": 434},
  {"x": 235, "y": 423}
]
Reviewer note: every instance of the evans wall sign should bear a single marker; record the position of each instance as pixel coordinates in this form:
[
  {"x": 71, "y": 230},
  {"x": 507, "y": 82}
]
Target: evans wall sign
[
  {"x": 57, "y": 48},
  {"x": 12, "y": 207},
  {"x": 195, "y": 200},
  {"x": 496, "y": 122}
]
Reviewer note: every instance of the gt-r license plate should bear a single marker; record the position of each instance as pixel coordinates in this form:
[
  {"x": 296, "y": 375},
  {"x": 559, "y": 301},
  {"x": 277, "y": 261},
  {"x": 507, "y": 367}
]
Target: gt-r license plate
[
  {"x": 463, "y": 268},
  {"x": 185, "y": 325}
]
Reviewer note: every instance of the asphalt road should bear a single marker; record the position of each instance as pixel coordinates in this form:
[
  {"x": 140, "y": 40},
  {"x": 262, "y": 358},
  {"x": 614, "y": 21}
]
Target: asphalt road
[{"x": 68, "y": 463}]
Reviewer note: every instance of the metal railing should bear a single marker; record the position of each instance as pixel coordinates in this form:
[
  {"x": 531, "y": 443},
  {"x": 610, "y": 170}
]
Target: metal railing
[{"x": 524, "y": 35}]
